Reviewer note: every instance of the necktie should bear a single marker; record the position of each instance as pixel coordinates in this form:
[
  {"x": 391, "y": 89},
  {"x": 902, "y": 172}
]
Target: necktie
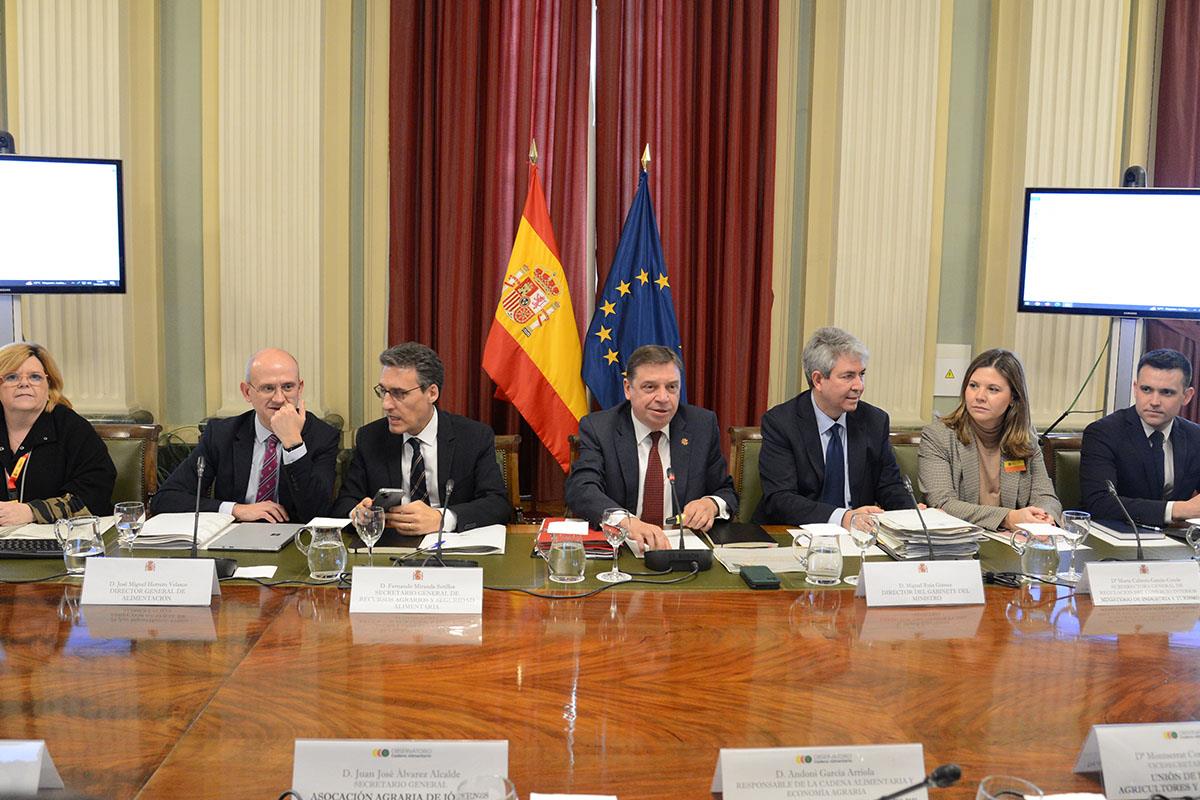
[
  {"x": 652, "y": 489},
  {"x": 1156, "y": 454},
  {"x": 268, "y": 477},
  {"x": 833, "y": 491},
  {"x": 417, "y": 488}
]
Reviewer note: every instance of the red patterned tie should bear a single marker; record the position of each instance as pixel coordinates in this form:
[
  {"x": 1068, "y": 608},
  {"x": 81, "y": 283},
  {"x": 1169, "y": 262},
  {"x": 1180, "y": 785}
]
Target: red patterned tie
[
  {"x": 268, "y": 479},
  {"x": 652, "y": 489}
]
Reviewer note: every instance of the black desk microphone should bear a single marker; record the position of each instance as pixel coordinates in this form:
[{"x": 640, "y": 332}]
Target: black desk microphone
[
  {"x": 1136, "y": 533},
  {"x": 941, "y": 777},
  {"x": 680, "y": 560}
]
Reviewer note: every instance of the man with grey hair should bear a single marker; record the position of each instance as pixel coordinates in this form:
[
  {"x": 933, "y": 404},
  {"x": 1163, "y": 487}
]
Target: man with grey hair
[
  {"x": 418, "y": 448},
  {"x": 825, "y": 453},
  {"x": 274, "y": 463}
]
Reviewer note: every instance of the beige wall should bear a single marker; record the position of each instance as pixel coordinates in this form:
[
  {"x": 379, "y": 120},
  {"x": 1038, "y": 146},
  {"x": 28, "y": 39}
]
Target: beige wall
[{"x": 255, "y": 137}]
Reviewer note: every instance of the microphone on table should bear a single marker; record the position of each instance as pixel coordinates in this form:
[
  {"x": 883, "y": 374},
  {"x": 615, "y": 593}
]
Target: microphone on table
[
  {"x": 441, "y": 531},
  {"x": 1112, "y": 490},
  {"x": 225, "y": 566},
  {"x": 940, "y": 778},
  {"x": 912, "y": 496},
  {"x": 680, "y": 560}
]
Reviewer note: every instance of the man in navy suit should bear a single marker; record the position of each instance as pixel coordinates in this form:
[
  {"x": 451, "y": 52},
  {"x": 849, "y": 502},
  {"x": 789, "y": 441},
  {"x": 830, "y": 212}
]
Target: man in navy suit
[
  {"x": 825, "y": 453},
  {"x": 625, "y": 452},
  {"x": 275, "y": 463},
  {"x": 418, "y": 448},
  {"x": 1149, "y": 452}
]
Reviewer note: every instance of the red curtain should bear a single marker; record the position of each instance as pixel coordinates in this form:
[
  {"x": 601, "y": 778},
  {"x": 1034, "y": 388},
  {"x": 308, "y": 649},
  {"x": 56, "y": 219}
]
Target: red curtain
[
  {"x": 464, "y": 78},
  {"x": 1177, "y": 151},
  {"x": 696, "y": 80}
]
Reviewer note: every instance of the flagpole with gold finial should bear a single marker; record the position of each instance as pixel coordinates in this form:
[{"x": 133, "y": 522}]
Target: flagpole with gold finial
[
  {"x": 646, "y": 158},
  {"x": 533, "y": 152}
]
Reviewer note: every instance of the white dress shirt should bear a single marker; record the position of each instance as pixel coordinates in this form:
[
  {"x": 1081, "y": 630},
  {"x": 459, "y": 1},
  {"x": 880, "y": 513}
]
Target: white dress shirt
[
  {"x": 261, "y": 434},
  {"x": 825, "y": 425},
  {"x": 642, "y": 432}
]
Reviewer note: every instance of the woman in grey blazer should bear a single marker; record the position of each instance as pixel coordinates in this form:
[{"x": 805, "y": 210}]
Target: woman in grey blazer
[{"x": 982, "y": 462}]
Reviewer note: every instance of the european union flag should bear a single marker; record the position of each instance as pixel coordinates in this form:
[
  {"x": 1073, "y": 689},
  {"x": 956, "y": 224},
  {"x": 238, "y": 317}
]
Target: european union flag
[{"x": 635, "y": 307}]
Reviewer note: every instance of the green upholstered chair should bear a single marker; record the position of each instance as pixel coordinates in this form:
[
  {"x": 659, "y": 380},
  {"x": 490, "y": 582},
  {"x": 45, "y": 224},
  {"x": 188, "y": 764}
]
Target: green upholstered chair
[
  {"x": 1061, "y": 453},
  {"x": 746, "y": 442},
  {"x": 134, "y": 450}
]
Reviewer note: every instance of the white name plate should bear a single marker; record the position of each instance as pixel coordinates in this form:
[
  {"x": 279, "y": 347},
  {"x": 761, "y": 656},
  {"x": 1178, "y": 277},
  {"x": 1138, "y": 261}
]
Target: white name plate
[
  {"x": 25, "y": 767},
  {"x": 844, "y": 773},
  {"x": 417, "y": 590},
  {"x": 921, "y": 583},
  {"x": 1141, "y": 760},
  {"x": 1142, "y": 583},
  {"x": 371, "y": 769},
  {"x": 149, "y": 582}
]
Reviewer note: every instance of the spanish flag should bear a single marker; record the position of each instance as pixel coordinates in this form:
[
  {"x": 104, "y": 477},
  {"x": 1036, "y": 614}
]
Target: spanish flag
[{"x": 533, "y": 352}]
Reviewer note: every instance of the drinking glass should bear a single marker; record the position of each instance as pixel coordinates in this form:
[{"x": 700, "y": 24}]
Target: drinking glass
[
  {"x": 129, "y": 518},
  {"x": 1076, "y": 527},
  {"x": 486, "y": 787},
  {"x": 567, "y": 558},
  {"x": 1006, "y": 787},
  {"x": 1193, "y": 539},
  {"x": 368, "y": 521},
  {"x": 864, "y": 532},
  {"x": 610, "y": 523}
]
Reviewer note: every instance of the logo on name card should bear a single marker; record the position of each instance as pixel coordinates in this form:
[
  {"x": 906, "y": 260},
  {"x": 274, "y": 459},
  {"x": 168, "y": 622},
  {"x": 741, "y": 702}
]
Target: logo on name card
[
  {"x": 804, "y": 759},
  {"x": 149, "y": 566},
  {"x": 1144, "y": 570},
  {"x": 418, "y": 575},
  {"x": 381, "y": 752},
  {"x": 922, "y": 568}
]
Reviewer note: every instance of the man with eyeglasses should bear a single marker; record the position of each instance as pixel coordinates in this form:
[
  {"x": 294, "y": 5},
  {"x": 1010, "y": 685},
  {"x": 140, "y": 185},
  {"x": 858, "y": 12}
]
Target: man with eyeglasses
[
  {"x": 417, "y": 448},
  {"x": 274, "y": 463}
]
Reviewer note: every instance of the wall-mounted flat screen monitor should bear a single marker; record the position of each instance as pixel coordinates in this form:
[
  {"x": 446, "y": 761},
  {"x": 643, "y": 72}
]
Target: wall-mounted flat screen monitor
[
  {"x": 1111, "y": 252},
  {"x": 61, "y": 225}
]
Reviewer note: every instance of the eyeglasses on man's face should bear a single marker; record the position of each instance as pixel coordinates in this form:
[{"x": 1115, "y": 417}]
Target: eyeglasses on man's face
[
  {"x": 269, "y": 389},
  {"x": 396, "y": 394}
]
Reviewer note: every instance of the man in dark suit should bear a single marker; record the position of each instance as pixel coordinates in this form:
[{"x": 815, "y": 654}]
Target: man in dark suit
[
  {"x": 275, "y": 463},
  {"x": 828, "y": 425},
  {"x": 1149, "y": 452},
  {"x": 417, "y": 448},
  {"x": 625, "y": 451}
]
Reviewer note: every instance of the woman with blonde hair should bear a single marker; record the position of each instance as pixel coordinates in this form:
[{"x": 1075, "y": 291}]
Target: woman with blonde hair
[
  {"x": 982, "y": 462},
  {"x": 55, "y": 464}
]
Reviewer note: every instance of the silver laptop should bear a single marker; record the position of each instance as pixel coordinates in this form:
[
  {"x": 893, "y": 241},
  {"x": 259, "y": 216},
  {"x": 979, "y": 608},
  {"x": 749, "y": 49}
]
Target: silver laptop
[{"x": 262, "y": 537}]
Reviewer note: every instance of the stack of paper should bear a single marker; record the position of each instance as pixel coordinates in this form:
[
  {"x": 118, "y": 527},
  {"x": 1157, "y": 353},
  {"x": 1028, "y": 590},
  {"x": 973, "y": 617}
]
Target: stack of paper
[
  {"x": 174, "y": 531},
  {"x": 902, "y": 537},
  {"x": 594, "y": 543}
]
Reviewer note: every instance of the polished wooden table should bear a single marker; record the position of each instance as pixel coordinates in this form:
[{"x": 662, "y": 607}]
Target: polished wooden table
[{"x": 630, "y": 692}]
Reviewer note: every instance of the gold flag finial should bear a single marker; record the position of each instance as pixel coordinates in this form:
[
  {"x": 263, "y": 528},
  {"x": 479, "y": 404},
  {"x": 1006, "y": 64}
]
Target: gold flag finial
[
  {"x": 646, "y": 158},
  {"x": 533, "y": 152}
]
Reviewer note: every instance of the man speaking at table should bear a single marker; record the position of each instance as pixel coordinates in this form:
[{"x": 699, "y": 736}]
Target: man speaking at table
[
  {"x": 418, "y": 448},
  {"x": 625, "y": 452},
  {"x": 825, "y": 453},
  {"x": 275, "y": 463}
]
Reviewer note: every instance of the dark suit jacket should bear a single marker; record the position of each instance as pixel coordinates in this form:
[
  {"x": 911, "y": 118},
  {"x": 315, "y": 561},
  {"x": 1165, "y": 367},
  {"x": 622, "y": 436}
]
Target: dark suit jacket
[
  {"x": 791, "y": 464},
  {"x": 466, "y": 453},
  {"x": 1115, "y": 448},
  {"x": 606, "y": 473},
  {"x": 305, "y": 486}
]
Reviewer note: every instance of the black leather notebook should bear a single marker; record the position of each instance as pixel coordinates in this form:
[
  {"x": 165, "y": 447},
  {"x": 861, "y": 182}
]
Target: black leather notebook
[{"x": 740, "y": 534}]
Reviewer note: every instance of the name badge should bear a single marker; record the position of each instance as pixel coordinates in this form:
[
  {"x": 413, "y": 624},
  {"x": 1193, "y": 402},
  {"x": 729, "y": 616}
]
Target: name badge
[
  {"x": 149, "y": 582},
  {"x": 417, "y": 590},
  {"x": 1015, "y": 465},
  {"x": 921, "y": 583},
  {"x": 1138, "y": 761},
  {"x": 377, "y": 768},
  {"x": 25, "y": 767},
  {"x": 848, "y": 773},
  {"x": 1147, "y": 583}
]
